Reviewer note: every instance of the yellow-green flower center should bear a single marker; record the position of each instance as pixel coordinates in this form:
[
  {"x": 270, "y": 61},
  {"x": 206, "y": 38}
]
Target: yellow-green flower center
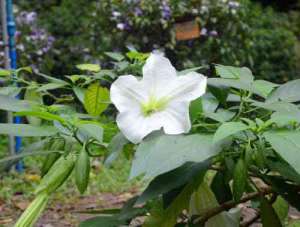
[{"x": 153, "y": 105}]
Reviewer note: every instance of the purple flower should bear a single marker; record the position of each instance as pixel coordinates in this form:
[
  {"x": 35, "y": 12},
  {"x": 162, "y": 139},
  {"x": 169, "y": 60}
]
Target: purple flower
[
  {"x": 165, "y": 10},
  {"x": 213, "y": 33},
  {"x": 116, "y": 14},
  {"x": 203, "y": 32},
  {"x": 138, "y": 12},
  {"x": 123, "y": 26},
  {"x": 30, "y": 17},
  {"x": 233, "y": 4}
]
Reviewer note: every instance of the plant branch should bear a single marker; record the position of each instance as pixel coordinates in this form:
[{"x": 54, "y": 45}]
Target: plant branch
[{"x": 230, "y": 204}]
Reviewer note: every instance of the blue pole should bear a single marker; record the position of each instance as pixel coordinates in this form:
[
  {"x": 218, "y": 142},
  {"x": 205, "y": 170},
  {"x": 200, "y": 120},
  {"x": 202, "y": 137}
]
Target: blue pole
[{"x": 11, "y": 30}]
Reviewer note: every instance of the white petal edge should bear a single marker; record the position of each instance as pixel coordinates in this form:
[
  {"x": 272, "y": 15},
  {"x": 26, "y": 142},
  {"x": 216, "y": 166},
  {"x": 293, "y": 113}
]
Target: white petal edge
[
  {"x": 158, "y": 72},
  {"x": 127, "y": 92},
  {"x": 187, "y": 87},
  {"x": 176, "y": 118},
  {"x": 135, "y": 126}
]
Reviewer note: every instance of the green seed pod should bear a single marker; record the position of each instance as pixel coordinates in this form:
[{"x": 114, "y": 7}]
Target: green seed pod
[
  {"x": 57, "y": 175},
  {"x": 33, "y": 211},
  {"x": 82, "y": 171},
  {"x": 50, "y": 159}
]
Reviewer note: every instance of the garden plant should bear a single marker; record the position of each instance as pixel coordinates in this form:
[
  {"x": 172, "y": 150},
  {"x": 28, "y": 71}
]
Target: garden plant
[{"x": 207, "y": 139}]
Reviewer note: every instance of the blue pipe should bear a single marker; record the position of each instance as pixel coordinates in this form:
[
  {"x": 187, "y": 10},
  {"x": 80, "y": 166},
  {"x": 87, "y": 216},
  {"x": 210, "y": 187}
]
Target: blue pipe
[{"x": 11, "y": 30}]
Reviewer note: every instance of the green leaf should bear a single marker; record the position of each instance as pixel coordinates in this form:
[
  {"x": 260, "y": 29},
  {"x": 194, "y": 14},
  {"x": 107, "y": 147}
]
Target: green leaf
[
  {"x": 10, "y": 91},
  {"x": 288, "y": 191},
  {"x": 263, "y": 87},
  {"x": 195, "y": 109},
  {"x": 221, "y": 115},
  {"x": 168, "y": 217},
  {"x": 26, "y": 130},
  {"x": 268, "y": 214},
  {"x": 276, "y": 106},
  {"x": 5, "y": 73},
  {"x": 221, "y": 188},
  {"x": 102, "y": 221},
  {"x": 96, "y": 99},
  {"x": 52, "y": 79},
  {"x": 239, "y": 179},
  {"x": 134, "y": 55},
  {"x": 33, "y": 96},
  {"x": 115, "y": 147},
  {"x": 82, "y": 170},
  {"x": 50, "y": 86},
  {"x": 89, "y": 67},
  {"x": 173, "y": 179},
  {"x": 204, "y": 199},
  {"x": 228, "y": 129},
  {"x": 161, "y": 153},
  {"x": 194, "y": 69},
  {"x": 284, "y": 169},
  {"x": 230, "y": 72},
  {"x": 12, "y": 104},
  {"x": 285, "y": 118},
  {"x": 92, "y": 130},
  {"x": 235, "y": 83},
  {"x": 79, "y": 92},
  {"x": 294, "y": 223},
  {"x": 115, "y": 56},
  {"x": 281, "y": 207},
  {"x": 287, "y": 144},
  {"x": 288, "y": 92},
  {"x": 41, "y": 114}
]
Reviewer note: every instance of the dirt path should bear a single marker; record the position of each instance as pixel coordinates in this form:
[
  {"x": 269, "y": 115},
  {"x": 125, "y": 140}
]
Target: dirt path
[{"x": 63, "y": 214}]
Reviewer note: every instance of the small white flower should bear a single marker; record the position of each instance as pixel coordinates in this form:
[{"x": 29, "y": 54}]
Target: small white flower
[{"x": 160, "y": 100}]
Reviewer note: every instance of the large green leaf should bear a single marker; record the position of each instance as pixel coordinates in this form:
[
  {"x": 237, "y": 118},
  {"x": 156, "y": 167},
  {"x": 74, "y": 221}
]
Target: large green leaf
[
  {"x": 281, "y": 106},
  {"x": 50, "y": 86},
  {"x": 175, "y": 178},
  {"x": 79, "y": 92},
  {"x": 288, "y": 92},
  {"x": 204, "y": 199},
  {"x": 161, "y": 153},
  {"x": 96, "y": 99},
  {"x": 287, "y": 144},
  {"x": 115, "y": 147},
  {"x": 230, "y": 72},
  {"x": 228, "y": 129},
  {"x": 268, "y": 214},
  {"x": 91, "y": 130},
  {"x": 25, "y": 130},
  {"x": 263, "y": 87}
]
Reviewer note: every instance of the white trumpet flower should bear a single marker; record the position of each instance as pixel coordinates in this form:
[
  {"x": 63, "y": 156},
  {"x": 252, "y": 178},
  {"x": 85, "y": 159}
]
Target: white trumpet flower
[{"x": 159, "y": 100}]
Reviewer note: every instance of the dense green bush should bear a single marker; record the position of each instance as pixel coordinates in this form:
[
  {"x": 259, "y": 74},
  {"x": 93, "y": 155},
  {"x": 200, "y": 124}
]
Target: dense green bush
[{"x": 232, "y": 32}]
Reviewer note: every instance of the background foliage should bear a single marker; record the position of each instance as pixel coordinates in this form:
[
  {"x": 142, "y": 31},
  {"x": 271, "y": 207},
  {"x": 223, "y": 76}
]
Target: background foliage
[{"x": 240, "y": 33}]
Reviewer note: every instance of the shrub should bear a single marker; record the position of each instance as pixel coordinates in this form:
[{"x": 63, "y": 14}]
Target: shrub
[{"x": 238, "y": 33}]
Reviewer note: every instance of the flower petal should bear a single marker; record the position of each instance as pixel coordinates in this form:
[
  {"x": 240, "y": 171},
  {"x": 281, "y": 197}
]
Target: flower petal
[
  {"x": 127, "y": 93},
  {"x": 187, "y": 87},
  {"x": 176, "y": 119},
  {"x": 158, "y": 72},
  {"x": 135, "y": 126}
]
